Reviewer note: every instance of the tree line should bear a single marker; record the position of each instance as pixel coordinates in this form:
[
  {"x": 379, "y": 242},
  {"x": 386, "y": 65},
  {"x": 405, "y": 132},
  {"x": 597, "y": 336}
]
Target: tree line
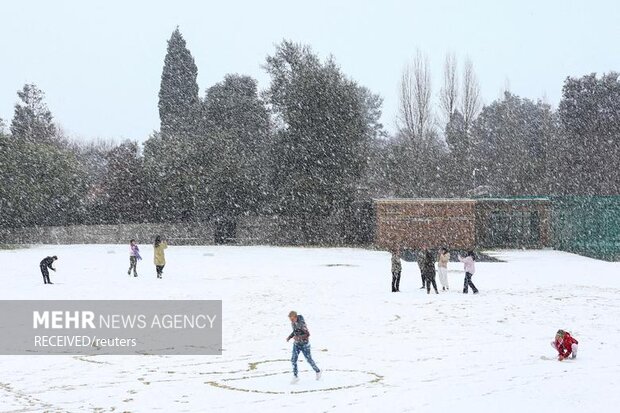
[{"x": 310, "y": 146}]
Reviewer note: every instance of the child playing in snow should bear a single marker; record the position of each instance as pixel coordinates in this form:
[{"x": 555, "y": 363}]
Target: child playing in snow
[
  {"x": 470, "y": 269},
  {"x": 565, "y": 344},
  {"x": 159, "y": 257},
  {"x": 300, "y": 335},
  {"x": 134, "y": 256}
]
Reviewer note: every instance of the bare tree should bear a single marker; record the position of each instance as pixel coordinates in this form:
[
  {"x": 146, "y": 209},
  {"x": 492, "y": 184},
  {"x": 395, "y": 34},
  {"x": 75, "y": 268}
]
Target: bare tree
[
  {"x": 470, "y": 102},
  {"x": 415, "y": 112},
  {"x": 406, "y": 116},
  {"x": 448, "y": 94}
]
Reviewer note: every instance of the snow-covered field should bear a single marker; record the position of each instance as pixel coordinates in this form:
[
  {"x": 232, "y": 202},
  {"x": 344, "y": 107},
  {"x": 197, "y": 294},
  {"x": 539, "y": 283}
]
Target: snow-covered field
[{"x": 380, "y": 351}]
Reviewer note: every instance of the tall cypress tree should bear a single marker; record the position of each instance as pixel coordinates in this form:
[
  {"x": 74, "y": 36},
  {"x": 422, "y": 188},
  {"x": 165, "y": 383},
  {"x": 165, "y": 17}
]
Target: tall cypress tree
[
  {"x": 166, "y": 154},
  {"x": 178, "y": 93},
  {"x": 32, "y": 121}
]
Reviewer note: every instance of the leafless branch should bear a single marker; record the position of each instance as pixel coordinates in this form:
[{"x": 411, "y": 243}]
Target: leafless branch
[
  {"x": 470, "y": 102},
  {"x": 415, "y": 113},
  {"x": 448, "y": 94}
]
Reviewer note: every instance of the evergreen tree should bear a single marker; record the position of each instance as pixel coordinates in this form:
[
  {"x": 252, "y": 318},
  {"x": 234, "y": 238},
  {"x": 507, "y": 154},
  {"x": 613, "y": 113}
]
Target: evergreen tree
[
  {"x": 42, "y": 180},
  {"x": 512, "y": 137},
  {"x": 587, "y": 153},
  {"x": 321, "y": 147},
  {"x": 237, "y": 125},
  {"x": 32, "y": 121},
  {"x": 41, "y": 185},
  {"x": 166, "y": 153},
  {"x": 170, "y": 172},
  {"x": 124, "y": 185},
  {"x": 415, "y": 168},
  {"x": 178, "y": 94}
]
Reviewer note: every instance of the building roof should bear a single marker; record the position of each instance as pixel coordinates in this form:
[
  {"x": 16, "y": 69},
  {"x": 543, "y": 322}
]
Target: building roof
[
  {"x": 424, "y": 200},
  {"x": 460, "y": 200}
]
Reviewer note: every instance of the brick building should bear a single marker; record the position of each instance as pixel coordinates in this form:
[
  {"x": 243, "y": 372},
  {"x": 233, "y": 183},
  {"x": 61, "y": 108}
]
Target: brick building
[{"x": 462, "y": 223}]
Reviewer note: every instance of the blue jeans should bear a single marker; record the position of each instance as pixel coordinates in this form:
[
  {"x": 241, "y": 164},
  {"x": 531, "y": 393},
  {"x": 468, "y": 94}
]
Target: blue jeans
[{"x": 305, "y": 349}]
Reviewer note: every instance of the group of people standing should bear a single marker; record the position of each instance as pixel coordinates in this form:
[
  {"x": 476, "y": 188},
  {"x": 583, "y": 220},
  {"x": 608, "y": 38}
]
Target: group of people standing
[
  {"x": 159, "y": 259},
  {"x": 426, "y": 262}
]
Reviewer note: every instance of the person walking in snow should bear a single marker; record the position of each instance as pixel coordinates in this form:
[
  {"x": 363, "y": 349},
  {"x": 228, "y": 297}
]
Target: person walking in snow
[
  {"x": 45, "y": 264},
  {"x": 565, "y": 344},
  {"x": 134, "y": 256},
  {"x": 396, "y": 270},
  {"x": 301, "y": 336},
  {"x": 428, "y": 270},
  {"x": 421, "y": 257},
  {"x": 470, "y": 269},
  {"x": 442, "y": 267},
  {"x": 159, "y": 257}
]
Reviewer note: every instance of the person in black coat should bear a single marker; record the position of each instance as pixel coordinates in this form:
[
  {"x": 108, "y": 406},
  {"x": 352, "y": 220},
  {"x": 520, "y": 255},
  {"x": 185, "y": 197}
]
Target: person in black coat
[
  {"x": 396, "y": 269},
  {"x": 45, "y": 264},
  {"x": 420, "y": 259},
  {"x": 427, "y": 267}
]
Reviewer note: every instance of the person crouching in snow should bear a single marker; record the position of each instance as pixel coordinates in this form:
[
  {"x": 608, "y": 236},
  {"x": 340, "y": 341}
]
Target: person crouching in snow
[
  {"x": 300, "y": 335},
  {"x": 565, "y": 344},
  {"x": 134, "y": 256},
  {"x": 44, "y": 265}
]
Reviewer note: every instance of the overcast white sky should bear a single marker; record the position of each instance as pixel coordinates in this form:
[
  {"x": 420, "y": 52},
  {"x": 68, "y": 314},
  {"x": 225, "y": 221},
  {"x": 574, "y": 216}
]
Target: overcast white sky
[{"x": 99, "y": 62}]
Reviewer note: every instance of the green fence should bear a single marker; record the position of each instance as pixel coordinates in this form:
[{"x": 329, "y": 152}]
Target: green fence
[{"x": 587, "y": 225}]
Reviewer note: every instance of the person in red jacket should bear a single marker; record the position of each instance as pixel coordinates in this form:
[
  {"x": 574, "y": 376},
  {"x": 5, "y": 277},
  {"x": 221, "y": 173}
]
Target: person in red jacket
[{"x": 565, "y": 344}]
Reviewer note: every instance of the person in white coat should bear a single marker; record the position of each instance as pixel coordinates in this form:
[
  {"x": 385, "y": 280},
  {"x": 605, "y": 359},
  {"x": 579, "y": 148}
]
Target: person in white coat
[{"x": 442, "y": 267}]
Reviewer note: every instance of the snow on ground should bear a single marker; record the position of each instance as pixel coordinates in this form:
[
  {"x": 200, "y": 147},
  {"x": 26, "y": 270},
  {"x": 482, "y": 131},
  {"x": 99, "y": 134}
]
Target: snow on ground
[{"x": 380, "y": 351}]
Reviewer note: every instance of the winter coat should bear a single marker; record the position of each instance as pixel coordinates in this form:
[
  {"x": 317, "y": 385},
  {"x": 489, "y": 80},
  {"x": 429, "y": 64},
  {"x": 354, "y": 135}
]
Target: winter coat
[
  {"x": 469, "y": 264},
  {"x": 443, "y": 260},
  {"x": 396, "y": 264},
  {"x": 428, "y": 264},
  {"x": 159, "y": 256},
  {"x": 565, "y": 345},
  {"x": 421, "y": 261},
  {"x": 47, "y": 263},
  {"x": 134, "y": 251},
  {"x": 300, "y": 331}
]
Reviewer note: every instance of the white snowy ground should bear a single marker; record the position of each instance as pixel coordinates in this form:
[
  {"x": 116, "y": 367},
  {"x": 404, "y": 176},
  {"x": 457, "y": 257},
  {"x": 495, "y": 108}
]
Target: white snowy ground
[{"x": 379, "y": 351}]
